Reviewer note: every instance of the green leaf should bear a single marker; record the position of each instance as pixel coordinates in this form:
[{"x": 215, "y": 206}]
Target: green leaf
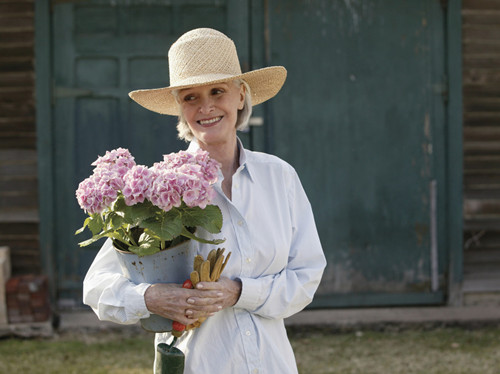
[
  {"x": 119, "y": 204},
  {"x": 189, "y": 235},
  {"x": 85, "y": 224},
  {"x": 166, "y": 226},
  {"x": 92, "y": 240},
  {"x": 209, "y": 218},
  {"x": 96, "y": 224},
  {"x": 147, "y": 248},
  {"x": 138, "y": 213},
  {"x": 116, "y": 221},
  {"x": 134, "y": 214},
  {"x": 108, "y": 233}
]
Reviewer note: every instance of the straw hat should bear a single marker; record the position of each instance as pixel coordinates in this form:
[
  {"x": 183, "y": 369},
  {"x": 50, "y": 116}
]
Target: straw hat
[{"x": 202, "y": 57}]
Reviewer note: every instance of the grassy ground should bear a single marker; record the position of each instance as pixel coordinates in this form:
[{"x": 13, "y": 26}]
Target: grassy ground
[{"x": 442, "y": 351}]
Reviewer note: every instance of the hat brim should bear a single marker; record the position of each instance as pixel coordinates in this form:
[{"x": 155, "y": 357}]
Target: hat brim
[{"x": 264, "y": 84}]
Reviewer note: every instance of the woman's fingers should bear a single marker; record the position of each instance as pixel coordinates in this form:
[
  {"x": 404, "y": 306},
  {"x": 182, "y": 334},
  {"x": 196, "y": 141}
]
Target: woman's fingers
[
  {"x": 187, "y": 305},
  {"x": 227, "y": 290},
  {"x": 180, "y": 304}
]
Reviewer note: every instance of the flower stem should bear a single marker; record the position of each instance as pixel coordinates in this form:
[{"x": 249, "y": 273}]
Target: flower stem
[{"x": 129, "y": 236}]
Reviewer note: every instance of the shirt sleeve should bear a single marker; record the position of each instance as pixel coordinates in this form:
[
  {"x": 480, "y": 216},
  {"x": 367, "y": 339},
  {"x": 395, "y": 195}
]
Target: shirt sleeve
[
  {"x": 111, "y": 295},
  {"x": 288, "y": 292}
]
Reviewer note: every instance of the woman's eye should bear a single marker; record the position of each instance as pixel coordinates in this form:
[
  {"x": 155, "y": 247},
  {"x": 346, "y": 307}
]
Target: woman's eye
[
  {"x": 189, "y": 98},
  {"x": 217, "y": 91}
]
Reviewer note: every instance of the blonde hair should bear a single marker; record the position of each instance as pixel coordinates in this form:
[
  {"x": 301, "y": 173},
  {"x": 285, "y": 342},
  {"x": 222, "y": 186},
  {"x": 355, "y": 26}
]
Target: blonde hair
[{"x": 183, "y": 129}]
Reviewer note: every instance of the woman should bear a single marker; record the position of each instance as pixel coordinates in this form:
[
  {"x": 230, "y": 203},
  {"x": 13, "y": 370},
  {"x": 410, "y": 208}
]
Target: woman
[{"x": 277, "y": 260}]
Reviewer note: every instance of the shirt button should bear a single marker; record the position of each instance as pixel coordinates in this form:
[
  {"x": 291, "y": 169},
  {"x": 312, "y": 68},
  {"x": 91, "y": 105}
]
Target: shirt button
[
  {"x": 255, "y": 371},
  {"x": 248, "y": 333},
  {"x": 240, "y": 223},
  {"x": 249, "y": 260},
  {"x": 236, "y": 186}
]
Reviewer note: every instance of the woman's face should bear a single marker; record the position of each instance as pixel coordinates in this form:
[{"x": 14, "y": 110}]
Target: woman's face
[{"x": 211, "y": 111}]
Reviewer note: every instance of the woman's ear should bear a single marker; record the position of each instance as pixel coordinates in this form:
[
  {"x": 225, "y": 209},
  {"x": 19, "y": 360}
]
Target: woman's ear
[{"x": 242, "y": 97}]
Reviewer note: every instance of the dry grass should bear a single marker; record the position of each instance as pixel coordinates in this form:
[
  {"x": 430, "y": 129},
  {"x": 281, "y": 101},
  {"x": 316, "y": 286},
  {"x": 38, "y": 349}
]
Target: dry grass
[{"x": 443, "y": 351}]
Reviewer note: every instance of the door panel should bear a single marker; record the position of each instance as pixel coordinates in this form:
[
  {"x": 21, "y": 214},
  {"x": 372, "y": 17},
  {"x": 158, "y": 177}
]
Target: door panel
[
  {"x": 102, "y": 51},
  {"x": 361, "y": 119}
]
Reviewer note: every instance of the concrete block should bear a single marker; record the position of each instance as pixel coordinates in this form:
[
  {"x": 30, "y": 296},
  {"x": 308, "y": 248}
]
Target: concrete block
[{"x": 5, "y": 270}]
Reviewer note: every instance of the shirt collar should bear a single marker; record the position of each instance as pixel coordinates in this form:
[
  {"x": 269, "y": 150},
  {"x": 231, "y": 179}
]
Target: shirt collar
[{"x": 244, "y": 164}]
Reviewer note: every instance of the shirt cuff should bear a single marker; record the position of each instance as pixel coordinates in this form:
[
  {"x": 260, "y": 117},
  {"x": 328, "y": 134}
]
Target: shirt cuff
[
  {"x": 250, "y": 291},
  {"x": 137, "y": 304}
]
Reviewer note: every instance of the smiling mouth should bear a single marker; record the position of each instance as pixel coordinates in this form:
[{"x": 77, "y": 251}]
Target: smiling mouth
[{"x": 211, "y": 121}]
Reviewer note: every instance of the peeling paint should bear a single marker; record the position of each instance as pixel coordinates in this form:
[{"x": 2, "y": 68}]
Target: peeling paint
[{"x": 421, "y": 233}]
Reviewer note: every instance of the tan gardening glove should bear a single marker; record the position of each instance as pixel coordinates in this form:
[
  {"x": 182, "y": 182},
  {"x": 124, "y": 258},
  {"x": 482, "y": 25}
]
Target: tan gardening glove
[{"x": 208, "y": 270}]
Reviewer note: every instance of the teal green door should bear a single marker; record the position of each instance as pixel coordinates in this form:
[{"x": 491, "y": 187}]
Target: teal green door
[
  {"x": 101, "y": 51},
  {"x": 361, "y": 117}
]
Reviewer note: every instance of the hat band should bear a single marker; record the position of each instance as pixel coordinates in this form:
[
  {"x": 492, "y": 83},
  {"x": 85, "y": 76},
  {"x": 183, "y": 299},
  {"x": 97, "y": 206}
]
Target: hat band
[{"x": 201, "y": 79}]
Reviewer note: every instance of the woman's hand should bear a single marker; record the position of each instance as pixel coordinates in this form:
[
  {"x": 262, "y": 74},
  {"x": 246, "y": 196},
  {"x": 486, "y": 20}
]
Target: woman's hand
[
  {"x": 229, "y": 291},
  {"x": 180, "y": 304}
]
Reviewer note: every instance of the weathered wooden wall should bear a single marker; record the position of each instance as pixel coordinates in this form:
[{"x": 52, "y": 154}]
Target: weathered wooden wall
[
  {"x": 18, "y": 156},
  {"x": 481, "y": 77}
]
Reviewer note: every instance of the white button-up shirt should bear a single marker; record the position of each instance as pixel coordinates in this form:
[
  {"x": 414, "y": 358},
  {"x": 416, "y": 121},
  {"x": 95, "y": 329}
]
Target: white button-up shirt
[{"x": 276, "y": 254}]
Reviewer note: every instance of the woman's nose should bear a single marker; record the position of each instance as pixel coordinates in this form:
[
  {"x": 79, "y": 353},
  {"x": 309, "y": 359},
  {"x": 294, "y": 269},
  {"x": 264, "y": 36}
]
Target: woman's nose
[{"x": 206, "y": 105}]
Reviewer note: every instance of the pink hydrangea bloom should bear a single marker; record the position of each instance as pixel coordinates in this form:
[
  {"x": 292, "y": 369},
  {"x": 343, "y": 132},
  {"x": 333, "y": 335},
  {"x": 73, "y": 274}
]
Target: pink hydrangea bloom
[
  {"x": 119, "y": 159},
  {"x": 109, "y": 177},
  {"x": 165, "y": 191},
  {"x": 208, "y": 167},
  {"x": 197, "y": 189},
  {"x": 93, "y": 196},
  {"x": 191, "y": 176},
  {"x": 137, "y": 182}
]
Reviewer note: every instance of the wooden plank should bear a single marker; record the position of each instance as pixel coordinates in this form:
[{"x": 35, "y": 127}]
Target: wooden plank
[
  {"x": 483, "y": 256},
  {"x": 16, "y": 7},
  {"x": 18, "y": 78},
  {"x": 477, "y": 207},
  {"x": 483, "y": 76},
  {"x": 482, "y": 224},
  {"x": 484, "y": 90},
  {"x": 482, "y": 146},
  {"x": 480, "y": 4},
  {"x": 478, "y": 46},
  {"x": 483, "y": 17},
  {"x": 480, "y": 32},
  {"x": 484, "y": 132},
  {"x": 487, "y": 193},
  {"x": 5, "y": 272},
  {"x": 19, "y": 216},
  {"x": 481, "y": 285},
  {"x": 483, "y": 60},
  {"x": 472, "y": 179},
  {"x": 482, "y": 241},
  {"x": 483, "y": 104}
]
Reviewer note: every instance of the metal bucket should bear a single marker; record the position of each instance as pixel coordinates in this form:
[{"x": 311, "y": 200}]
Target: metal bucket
[{"x": 171, "y": 265}]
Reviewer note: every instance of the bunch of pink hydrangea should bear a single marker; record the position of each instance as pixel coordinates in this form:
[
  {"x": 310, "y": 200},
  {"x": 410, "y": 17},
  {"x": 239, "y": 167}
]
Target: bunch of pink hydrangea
[
  {"x": 100, "y": 190},
  {"x": 208, "y": 167},
  {"x": 185, "y": 175},
  {"x": 94, "y": 196},
  {"x": 165, "y": 191},
  {"x": 196, "y": 187},
  {"x": 182, "y": 176},
  {"x": 119, "y": 160},
  {"x": 137, "y": 182}
]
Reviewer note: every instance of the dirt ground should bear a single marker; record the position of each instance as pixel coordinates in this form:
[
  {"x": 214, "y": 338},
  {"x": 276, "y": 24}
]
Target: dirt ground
[{"x": 318, "y": 351}]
